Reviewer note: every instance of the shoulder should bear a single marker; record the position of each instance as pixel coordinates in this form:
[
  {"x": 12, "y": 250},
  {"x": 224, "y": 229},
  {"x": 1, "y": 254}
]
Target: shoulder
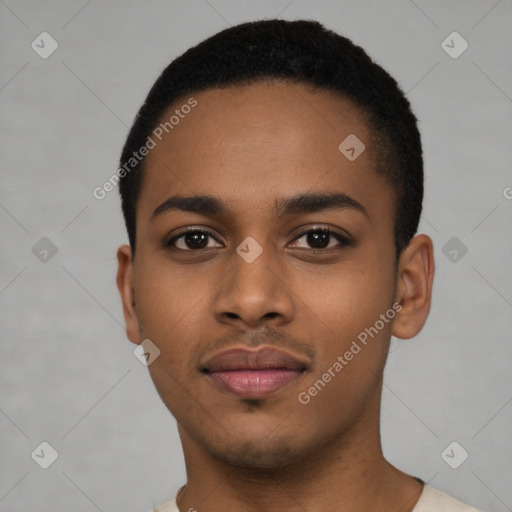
[
  {"x": 431, "y": 500},
  {"x": 434, "y": 500},
  {"x": 168, "y": 506}
]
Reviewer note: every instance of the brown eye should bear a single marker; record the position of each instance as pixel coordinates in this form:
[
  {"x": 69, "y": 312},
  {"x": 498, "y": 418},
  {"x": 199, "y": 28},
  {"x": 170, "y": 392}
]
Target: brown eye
[
  {"x": 192, "y": 240},
  {"x": 321, "y": 238},
  {"x": 318, "y": 239}
]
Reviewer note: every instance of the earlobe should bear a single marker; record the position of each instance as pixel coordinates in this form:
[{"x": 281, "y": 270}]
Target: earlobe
[
  {"x": 125, "y": 286},
  {"x": 414, "y": 287}
]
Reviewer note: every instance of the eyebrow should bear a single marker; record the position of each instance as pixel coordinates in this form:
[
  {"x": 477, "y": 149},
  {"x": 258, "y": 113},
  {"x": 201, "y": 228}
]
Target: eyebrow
[{"x": 301, "y": 203}]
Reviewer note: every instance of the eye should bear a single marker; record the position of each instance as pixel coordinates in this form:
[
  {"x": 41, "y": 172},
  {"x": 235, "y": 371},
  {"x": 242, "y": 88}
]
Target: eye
[
  {"x": 319, "y": 238},
  {"x": 192, "y": 240}
]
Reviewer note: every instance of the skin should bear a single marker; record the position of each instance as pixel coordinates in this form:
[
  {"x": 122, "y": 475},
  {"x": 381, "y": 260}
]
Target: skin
[{"x": 249, "y": 146}]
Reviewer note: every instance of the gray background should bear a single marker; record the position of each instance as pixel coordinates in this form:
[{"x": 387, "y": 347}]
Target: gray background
[{"x": 68, "y": 374}]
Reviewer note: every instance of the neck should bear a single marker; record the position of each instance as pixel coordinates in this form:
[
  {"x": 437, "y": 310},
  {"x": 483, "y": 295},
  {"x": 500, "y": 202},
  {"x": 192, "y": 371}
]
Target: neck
[{"x": 347, "y": 474}]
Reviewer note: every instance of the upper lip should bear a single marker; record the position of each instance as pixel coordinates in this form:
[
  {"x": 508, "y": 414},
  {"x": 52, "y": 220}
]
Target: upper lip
[{"x": 259, "y": 359}]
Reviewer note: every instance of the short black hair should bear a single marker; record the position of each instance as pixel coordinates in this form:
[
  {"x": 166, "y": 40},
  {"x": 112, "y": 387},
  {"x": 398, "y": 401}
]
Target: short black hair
[{"x": 303, "y": 52}]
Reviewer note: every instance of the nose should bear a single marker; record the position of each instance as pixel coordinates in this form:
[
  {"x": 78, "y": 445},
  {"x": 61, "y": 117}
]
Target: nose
[{"x": 253, "y": 294}]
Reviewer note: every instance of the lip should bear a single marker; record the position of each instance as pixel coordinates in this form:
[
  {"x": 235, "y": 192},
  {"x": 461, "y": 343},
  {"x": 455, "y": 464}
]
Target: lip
[{"x": 253, "y": 374}]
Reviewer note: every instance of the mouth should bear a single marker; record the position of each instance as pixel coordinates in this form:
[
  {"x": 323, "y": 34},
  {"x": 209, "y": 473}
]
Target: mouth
[{"x": 253, "y": 374}]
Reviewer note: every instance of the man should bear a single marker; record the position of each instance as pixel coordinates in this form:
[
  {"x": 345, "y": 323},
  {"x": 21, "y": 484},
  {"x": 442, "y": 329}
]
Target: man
[{"x": 272, "y": 186}]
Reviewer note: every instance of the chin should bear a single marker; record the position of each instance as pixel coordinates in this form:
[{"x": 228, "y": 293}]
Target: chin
[
  {"x": 264, "y": 449},
  {"x": 254, "y": 455}
]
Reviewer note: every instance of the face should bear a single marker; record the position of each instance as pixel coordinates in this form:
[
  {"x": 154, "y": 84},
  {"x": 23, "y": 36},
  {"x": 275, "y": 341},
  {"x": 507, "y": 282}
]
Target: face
[{"x": 257, "y": 292}]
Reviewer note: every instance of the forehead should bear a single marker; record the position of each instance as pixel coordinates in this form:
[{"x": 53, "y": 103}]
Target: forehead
[{"x": 254, "y": 143}]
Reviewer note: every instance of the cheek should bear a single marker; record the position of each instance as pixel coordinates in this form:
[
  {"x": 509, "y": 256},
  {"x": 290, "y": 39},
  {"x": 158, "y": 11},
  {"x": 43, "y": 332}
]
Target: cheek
[
  {"x": 171, "y": 310},
  {"x": 347, "y": 300},
  {"x": 347, "y": 305},
  {"x": 168, "y": 302},
  {"x": 352, "y": 348}
]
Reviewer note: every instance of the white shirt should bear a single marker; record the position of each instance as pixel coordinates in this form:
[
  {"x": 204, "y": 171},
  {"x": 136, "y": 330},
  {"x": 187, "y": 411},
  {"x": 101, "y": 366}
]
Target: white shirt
[{"x": 431, "y": 500}]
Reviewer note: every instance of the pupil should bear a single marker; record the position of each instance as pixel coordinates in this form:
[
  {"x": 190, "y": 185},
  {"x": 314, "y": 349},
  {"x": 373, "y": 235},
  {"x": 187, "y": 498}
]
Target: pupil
[
  {"x": 196, "y": 240},
  {"x": 318, "y": 239}
]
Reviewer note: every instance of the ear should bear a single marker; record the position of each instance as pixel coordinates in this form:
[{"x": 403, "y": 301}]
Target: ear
[
  {"x": 414, "y": 287},
  {"x": 125, "y": 285}
]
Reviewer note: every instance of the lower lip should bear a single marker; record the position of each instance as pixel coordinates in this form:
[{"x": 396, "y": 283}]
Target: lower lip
[{"x": 254, "y": 384}]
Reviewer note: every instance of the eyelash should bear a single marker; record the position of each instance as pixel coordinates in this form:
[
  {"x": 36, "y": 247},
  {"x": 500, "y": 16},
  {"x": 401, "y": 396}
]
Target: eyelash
[{"x": 343, "y": 240}]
